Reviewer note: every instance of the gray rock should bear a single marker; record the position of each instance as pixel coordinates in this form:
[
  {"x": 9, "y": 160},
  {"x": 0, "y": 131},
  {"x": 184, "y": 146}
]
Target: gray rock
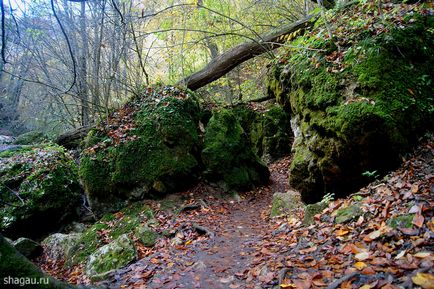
[
  {"x": 110, "y": 257},
  {"x": 58, "y": 246},
  {"x": 27, "y": 247},
  {"x": 311, "y": 210},
  {"x": 285, "y": 203},
  {"x": 347, "y": 214},
  {"x": 5, "y": 139},
  {"x": 147, "y": 236}
]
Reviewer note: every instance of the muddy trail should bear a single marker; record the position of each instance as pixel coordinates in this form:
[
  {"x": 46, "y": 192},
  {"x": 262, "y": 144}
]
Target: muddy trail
[{"x": 214, "y": 245}]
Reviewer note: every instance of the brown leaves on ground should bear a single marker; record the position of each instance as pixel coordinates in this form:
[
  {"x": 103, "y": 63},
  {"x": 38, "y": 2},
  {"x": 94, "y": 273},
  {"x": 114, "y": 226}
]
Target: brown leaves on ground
[{"x": 375, "y": 250}]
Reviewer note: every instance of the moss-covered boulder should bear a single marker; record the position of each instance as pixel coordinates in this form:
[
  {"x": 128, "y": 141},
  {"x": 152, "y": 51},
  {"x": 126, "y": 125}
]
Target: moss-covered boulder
[
  {"x": 311, "y": 210},
  {"x": 110, "y": 257},
  {"x": 147, "y": 147},
  {"x": 15, "y": 269},
  {"x": 58, "y": 246},
  {"x": 285, "y": 204},
  {"x": 146, "y": 235},
  {"x": 107, "y": 229},
  {"x": 268, "y": 129},
  {"x": 228, "y": 156},
  {"x": 27, "y": 247},
  {"x": 39, "y": 190},
  {"x": 358, "y": 101},
  {"x": 347, "y": 214}
]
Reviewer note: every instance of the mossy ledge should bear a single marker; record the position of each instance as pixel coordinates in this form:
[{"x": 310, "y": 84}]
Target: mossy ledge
[{"x": 361, "y": 107}]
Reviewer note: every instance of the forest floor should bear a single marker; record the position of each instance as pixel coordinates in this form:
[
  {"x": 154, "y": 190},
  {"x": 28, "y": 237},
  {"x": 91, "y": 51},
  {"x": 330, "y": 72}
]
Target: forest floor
[{"x": 221, "y": 242}]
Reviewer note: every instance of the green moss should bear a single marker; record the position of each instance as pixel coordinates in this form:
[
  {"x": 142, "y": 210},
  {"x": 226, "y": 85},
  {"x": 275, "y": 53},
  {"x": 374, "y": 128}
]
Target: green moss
[
  {"x": 347, "y": 214},
  {"x": 227, "y": 155},
  {"x": 359, "y": 108},
  {"x": 147, "y": 236},
  {"x": 402, "y": 221},
  {"x": 160, "y": 150},
  {"x": 46, "y": 180},
  {"x": 110, "y": 226}
]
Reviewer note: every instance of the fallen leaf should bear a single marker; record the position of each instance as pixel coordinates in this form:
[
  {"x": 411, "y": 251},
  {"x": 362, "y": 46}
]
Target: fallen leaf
[
  {"x": 288, "y": 286},
  {"x": 360, "y": 265},
  {"x": 418, "y": 220},
  {"x": 362, "y": 256},
  {"x": 372, "y": 236},
  {"x": 422, "y": 255},
  {"x": 341, "y": 232},
  {"x": 424, "y": 280}
]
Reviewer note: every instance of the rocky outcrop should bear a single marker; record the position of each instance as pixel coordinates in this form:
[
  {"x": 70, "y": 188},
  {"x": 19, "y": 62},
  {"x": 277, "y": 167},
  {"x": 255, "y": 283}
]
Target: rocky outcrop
[
  {"x": 148, "y": 147},
  {"x": 40, "y": 190},
  {"x": 162, "y": 142},
  {"x": 58, "y": 246},
  {"x": 110, "y": 257},
  {"x": 357, "y": 107},
  {"x": 227, "y": 154},
  {"x": 27, "y": 247}
]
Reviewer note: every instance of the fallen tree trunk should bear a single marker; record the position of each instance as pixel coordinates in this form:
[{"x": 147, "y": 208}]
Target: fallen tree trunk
[
  {"x": 72, "y": 139},
  {"x": 227, "y": 61}
]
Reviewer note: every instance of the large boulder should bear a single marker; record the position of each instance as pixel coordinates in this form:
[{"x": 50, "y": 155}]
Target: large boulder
[
  {"x": 268, "y": 129},
  {"x": 228, "y": 156},
  {"x": 58, "y": 246},
  {"x": 27, "y": 247},
  {"x": 357, "y": 107},
  {"x": 18, "y": 272},
  {"x": 147, "y": 147},
  {"x": 40, "y": 190},
  {"x": 110, "y": 257}
]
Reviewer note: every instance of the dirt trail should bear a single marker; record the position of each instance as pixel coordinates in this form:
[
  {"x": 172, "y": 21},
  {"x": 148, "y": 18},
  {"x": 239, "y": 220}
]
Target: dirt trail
[{"x": 219, "y": 261}]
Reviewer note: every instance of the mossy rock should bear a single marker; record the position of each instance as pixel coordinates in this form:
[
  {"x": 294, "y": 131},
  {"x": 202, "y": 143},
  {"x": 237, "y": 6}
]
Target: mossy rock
[
  {"x": 268, "y": 130},
  {"x": 40, "y": 190},
  {"x": 285, "y": 203},
  {"x": 15, "y": 266},
  {"x": 30, "y": 138},
  {"x": 147, "y": 148},
  {"x": 28, "y": 247},
  {"x": 401, "y": 221},
  {"x": 110, "y": 257},
  {"x": 363, "y": 113},
  {"x": 348, "y": 214},
  {"x": 146, "y": 236},
  {"x": 311, "y": 210},
  {"x": 58, "y": 246},
  {"x": 228, "y": 156}
]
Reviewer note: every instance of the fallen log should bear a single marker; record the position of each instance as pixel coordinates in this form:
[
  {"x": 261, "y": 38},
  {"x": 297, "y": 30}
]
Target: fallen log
[
  {"x": 72, "y": 139},
  {"x": 227, "y": 61}
]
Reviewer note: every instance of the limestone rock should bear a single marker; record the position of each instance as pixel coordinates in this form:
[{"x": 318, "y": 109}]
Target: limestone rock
[
  {"x": 27, "y": 247},
  {"x": 347, "y": 214},
  {"x": 285, "y": 203},
  {"x": 228, "y": 156},
  {"x": 110, "y": 257},
  {"x": 41, "y": 184},
  {"x": 146, "y": 235},
  {"x": 311, "y": 210},
  {"x": 58, "y": 246},
  {"x": 158, "y": 144}
]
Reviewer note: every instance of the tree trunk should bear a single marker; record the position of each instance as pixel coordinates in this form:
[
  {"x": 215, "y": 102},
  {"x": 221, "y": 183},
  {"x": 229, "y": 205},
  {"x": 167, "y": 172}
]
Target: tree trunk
[
  {"x": 82, "y": 75},
  {"x": 227, "y": 61}
]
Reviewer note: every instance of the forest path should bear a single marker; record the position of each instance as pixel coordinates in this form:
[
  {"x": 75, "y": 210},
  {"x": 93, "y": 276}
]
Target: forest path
[{"x": 220, "y": 260}]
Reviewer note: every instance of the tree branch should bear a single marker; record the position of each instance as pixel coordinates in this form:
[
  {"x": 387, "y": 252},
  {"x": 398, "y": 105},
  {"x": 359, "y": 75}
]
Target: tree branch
[{"x": 241, "y": 53}]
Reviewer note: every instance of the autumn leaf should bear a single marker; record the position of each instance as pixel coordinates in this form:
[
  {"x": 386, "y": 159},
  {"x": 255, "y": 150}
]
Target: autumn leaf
[
  {"x": 362, "y": 256},
  {"x": 360, "y": 265},
  {"x": 372, "y": 236},
  {"x": 424, "y": 280},
  {"x": 418, "y": 220}
]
